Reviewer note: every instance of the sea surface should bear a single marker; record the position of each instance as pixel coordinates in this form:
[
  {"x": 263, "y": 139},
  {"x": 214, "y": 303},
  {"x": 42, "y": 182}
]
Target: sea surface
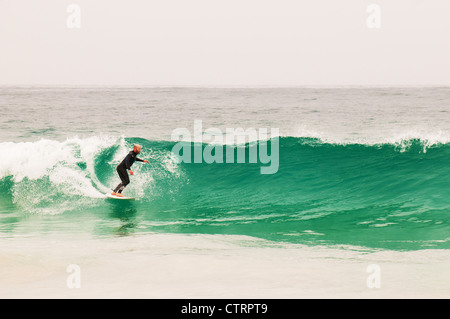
[
  {"x": 358, "y": 168},
  {"x": 347, "y": 196}
]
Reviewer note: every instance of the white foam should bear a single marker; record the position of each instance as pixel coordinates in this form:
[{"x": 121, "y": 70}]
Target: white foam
[
  {"x": 32, "y": 159},
  {"x": 428, "y": 138},
  {"x": 403, "y": 138},
  {"x": 47, "y": 169}
]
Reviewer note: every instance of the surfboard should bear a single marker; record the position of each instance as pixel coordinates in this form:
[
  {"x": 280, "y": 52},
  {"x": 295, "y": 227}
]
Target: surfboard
[{"x": 118, "y": 197}]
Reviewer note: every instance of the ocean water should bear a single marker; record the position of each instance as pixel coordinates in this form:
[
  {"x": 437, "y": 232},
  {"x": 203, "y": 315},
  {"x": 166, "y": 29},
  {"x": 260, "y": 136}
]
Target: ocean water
[{"x": 363, "y": 169}]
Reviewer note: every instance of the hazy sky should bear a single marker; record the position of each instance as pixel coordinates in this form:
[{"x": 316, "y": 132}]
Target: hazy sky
[{"x": 225, "y": 42}]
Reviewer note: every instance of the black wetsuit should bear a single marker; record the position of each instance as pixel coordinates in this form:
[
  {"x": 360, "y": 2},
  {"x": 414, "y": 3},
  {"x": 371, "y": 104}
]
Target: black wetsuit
[{"x": 122, "y": 169}]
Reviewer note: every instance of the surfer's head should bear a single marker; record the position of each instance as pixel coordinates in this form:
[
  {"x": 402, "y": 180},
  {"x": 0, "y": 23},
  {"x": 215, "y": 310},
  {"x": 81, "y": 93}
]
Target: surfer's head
[{"x": 137, "y": 148}]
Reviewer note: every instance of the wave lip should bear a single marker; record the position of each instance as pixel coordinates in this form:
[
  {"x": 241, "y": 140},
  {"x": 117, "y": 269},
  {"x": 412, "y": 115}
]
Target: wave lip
[{"x": 401, "y": 139}]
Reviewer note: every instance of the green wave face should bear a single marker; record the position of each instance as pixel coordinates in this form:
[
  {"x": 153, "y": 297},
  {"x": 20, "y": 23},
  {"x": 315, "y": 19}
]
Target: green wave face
[{"x": 393, "y": 196}]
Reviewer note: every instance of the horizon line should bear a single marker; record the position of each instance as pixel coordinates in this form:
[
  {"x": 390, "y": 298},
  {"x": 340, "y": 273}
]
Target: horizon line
[{"x": 227, "y": 86}]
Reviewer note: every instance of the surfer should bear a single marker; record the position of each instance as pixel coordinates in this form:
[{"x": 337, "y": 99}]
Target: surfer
[{"x": 124, "y": 166}]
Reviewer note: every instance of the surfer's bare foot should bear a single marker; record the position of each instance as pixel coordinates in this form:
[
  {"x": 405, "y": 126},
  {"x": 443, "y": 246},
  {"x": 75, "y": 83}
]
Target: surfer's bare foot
[
  {"x": 113, "y": 193},
  {"x": 119, "y": 195}
]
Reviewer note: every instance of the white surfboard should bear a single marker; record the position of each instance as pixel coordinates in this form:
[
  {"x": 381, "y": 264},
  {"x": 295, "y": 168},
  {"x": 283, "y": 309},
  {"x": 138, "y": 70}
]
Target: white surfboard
[{"x": 119, "y": 197}]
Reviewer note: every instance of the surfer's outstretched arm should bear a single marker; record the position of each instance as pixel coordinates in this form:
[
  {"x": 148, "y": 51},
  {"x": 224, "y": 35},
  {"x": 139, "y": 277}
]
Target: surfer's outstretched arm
[{"x": 137, "y": 160}]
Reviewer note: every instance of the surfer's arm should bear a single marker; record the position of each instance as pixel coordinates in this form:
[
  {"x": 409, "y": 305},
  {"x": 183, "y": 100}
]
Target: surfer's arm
[{"x": 141, "y": 160}]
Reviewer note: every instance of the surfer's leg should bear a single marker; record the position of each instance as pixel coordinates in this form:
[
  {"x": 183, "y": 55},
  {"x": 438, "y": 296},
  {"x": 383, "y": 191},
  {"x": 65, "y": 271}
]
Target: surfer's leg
[
  {"x": 124, "y": 178},
  {"x": 120, "y": 186}
]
